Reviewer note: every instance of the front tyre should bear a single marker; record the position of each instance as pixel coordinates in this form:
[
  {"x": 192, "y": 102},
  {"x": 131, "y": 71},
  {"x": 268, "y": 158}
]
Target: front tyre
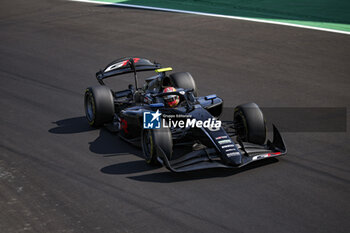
[
  {"x": 148, "y": 147},
  {"x": 250, "y": 123},
  {"x": 156, "y": 143},
  {"x": 99, "y": 105}
]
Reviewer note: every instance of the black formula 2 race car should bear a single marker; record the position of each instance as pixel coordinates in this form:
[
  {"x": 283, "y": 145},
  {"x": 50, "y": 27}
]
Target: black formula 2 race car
[{"x": 185, "y": 137}]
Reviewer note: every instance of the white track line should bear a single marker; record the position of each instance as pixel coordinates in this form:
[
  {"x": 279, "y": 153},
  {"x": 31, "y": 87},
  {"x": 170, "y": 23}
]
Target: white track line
[{"x": 212, "y": 15}]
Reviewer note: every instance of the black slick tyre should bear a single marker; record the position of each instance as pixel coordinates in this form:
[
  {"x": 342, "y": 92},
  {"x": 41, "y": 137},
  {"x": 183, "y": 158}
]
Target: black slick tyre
[
  {"x": 156, "y": 143},
  {"x": 184, "y": 80},
  {"x": 250, "y": 123},
  {"x": 99, "y": 105},
  {"x": 149, "y": 149}
]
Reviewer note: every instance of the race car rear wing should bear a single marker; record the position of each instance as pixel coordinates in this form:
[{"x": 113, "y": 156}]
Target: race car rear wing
[{"x": 126, "y": 65}]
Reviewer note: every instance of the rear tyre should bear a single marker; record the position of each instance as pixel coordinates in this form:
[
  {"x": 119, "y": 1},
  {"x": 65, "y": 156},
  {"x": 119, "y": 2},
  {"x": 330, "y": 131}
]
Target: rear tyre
[
  {"x": 250, "y": 123},
  {"x": 184, "y": 80},
  {"x": 99, "y": 105}
]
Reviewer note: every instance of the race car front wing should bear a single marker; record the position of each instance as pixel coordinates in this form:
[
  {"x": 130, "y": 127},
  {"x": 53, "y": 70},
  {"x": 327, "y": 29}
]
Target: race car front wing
[{"x": 226, "y": 153}]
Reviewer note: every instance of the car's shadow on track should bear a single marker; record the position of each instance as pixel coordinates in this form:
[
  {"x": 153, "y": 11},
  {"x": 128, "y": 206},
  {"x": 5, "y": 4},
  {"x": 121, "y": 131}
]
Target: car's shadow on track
[
  {"x": 71, "y": 126},
  {"x": 128, "y": 168},
  {"x": 169, "y": 177},
  {"x": 107, "y": 143}
]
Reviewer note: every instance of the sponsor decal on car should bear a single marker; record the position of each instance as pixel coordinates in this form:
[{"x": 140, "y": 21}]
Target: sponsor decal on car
[
  {"x": 233, "y": 149},
  {"x": 265, "y": 155},
  {"x": 124, "y": 125},
  {"x": 147, "y": 99},
  {"x": 226, "y": 146},
  {"x": 232, "y": 154},
  {"x": 221, "y": 137},
  {"x": 224, "y": 141},
  {"x": 120, "y": 64}
]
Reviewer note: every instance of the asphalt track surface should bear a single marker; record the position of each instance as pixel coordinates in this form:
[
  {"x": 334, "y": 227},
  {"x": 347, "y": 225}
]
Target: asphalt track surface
[{"x": 59, "y": 175}]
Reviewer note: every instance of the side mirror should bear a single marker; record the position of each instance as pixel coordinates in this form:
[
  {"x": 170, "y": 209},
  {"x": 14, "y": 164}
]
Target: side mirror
[{"x": 210, "y": 97}]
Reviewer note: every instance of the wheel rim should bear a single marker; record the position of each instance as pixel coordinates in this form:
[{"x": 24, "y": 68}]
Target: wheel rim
[
  {"x": 147, "y": 144},
  {"x": 240, "y": 127},
  {"x": 89, "y": 108}
]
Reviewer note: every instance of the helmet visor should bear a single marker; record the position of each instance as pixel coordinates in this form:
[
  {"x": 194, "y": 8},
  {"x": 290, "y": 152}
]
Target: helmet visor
[{"x": 170, "y": 98}]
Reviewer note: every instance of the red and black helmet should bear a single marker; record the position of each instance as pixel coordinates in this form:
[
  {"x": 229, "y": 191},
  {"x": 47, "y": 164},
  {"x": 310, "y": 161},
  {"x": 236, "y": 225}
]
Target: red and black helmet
[{"x": 171, "y": 100}]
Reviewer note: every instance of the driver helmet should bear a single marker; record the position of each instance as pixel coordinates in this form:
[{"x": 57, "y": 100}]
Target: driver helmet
[{"x": 171, "y": 100}]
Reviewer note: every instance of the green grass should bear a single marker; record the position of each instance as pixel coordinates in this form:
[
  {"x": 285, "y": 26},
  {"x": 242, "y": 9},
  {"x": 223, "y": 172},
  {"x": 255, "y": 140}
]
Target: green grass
[{"x": 317, "y": 13}]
